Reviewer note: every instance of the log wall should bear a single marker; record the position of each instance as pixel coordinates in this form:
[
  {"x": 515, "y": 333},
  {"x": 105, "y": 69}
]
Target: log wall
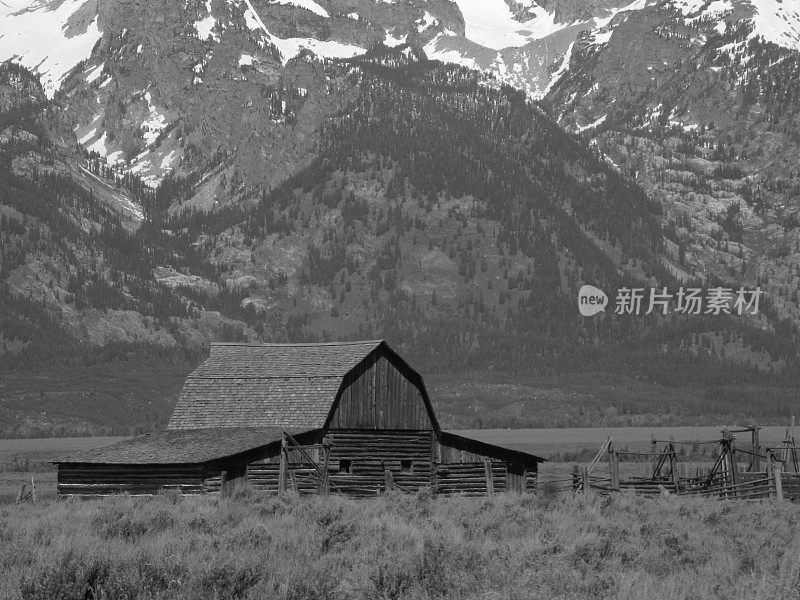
[
  {"x": 370, "y": 453},
  {"x": 469, "y": 478},
  {"x": 87, "y": 480},
  {"x": 791, "y": 486}
]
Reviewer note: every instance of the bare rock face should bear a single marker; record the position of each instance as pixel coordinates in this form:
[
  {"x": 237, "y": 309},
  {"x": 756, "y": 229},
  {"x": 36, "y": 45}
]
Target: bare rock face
[{"x": 571, "y": 11}]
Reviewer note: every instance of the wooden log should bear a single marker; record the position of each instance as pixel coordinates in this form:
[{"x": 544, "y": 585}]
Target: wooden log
[
  {"x": 770, "y": 473},
  {"x": 388, "y": 481},
  {"x": 756, "y": 449},
  {"x": 283, "y": 465},
  {"x": 326, "y": 448},
  {"x": 487, "y": 466},
  {"x": 778, "y": 482},
  {"x": 614, "y": 467}
]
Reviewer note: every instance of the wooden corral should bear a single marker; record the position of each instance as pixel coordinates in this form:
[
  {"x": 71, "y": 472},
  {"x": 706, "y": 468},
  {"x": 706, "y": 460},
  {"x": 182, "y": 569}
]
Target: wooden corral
[
  {"x": 736, "y": 473},
  {"x": 350, "y": 418}
]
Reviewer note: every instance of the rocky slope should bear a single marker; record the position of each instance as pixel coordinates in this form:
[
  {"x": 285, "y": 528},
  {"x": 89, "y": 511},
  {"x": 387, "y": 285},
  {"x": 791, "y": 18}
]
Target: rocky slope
[{"x": 698, "y": 104}]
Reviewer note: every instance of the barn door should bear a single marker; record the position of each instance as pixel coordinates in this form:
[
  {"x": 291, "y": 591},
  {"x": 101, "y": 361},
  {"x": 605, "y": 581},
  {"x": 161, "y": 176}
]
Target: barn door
[
  {"x": 304, "y": 467},
  {"x": 515, "y": 478}
]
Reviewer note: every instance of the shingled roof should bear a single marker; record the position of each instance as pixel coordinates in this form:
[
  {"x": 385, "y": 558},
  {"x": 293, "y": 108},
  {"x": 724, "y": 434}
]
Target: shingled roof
[
  {"x": 267, "y": 385},
  {"x": 187, "y": 446}
]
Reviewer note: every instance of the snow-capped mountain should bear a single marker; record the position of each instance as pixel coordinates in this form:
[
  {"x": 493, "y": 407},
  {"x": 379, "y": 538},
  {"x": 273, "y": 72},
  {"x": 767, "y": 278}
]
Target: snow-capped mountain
[{"x": 133, "y": 68}]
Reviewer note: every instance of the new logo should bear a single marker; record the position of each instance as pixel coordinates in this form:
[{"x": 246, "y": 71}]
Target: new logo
[{"x": 591, "y": 300}]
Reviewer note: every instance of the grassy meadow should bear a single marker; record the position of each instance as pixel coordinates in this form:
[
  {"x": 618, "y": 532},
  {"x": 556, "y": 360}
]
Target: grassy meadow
[{"x": 399, "y": 547}]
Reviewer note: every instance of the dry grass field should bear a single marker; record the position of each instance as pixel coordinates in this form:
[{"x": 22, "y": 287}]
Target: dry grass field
[{"x": 399, "y": 547}]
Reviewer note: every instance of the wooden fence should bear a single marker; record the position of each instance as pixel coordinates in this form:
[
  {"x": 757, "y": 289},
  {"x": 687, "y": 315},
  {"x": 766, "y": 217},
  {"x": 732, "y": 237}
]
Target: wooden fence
[{"x": 728, "y": 478}]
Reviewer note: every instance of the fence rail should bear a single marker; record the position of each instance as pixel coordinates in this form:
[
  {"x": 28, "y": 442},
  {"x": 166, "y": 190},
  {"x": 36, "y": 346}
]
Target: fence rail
[{"x": 725, "y": 479}]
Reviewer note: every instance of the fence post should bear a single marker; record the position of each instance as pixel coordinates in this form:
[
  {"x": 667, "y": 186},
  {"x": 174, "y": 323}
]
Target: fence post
[
  {"x": 283, "y": 465},
  {"x": 388, "y": 479},
  {"x": 326, "y": 449},
  {"x": 487, "y": 467},
  {"x": 613, "y": 463},
  {"x": 770, "y": 474},
  {"x": 653, "y": 454},
  {"x": 756, "y": 449},
  {"x": 585, "y": 479},
  {"x": 778, "y": 482},
  {"x": 576, "y": 478}
]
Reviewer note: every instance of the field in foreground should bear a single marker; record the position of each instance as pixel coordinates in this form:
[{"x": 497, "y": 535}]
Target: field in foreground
[{"x": 399, "y": 547}]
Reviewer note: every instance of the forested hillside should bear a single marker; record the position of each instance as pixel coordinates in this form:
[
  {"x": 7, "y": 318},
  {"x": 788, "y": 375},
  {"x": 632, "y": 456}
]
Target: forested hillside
[{"x": 442, "y": 211}]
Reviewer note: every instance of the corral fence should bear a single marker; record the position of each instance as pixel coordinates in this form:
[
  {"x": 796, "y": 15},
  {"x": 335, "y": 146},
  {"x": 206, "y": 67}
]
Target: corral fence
[{"x": 750, "y": 472}]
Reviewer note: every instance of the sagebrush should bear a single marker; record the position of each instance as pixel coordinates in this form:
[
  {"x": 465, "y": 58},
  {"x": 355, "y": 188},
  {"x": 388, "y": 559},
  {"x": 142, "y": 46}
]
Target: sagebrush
[{"x": 399, "y": 547}]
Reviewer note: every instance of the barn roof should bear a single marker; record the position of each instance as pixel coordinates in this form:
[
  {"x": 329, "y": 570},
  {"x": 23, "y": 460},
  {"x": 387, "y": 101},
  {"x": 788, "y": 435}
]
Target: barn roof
[
  {"x": 180, "y": 446},
  {"x": 267, "y": 385}
]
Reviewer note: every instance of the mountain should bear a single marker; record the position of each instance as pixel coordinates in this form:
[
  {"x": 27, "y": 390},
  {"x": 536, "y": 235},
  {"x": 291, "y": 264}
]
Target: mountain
[
  {"x": 285, "y": 171},
  {"x": 705, "y": 117}
]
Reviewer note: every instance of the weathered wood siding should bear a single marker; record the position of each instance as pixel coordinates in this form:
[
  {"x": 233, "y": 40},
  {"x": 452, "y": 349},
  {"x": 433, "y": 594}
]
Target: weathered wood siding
[
  {"x": 447, "y": 455},
  {"x": 531, "y": 476},
  {"x": 380, "y": 394},
  {"x": 458, "y": 468},
  {"x": 103, "y": 480},
  {"x": 371, "y": 454},
  {"x": 469, "y": 478}
]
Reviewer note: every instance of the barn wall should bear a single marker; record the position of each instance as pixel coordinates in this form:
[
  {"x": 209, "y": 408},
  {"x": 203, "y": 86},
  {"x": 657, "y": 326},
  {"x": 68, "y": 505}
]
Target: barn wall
[
  {"x": 469, "y": 478},
  {"x": 446, "y": 470},
  {"x": 461, "y": 467},
  {"x": 104, "y": 480},
  {"x": 370, "y": 454},
  {"x": 380, "y": 394}
]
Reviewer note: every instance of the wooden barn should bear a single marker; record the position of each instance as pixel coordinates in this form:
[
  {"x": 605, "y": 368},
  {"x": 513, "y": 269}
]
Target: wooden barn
[{"x": 351, "y": 418}]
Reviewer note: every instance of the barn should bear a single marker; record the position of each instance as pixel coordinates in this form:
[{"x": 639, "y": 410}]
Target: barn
[{"x": 350, "y": 417}]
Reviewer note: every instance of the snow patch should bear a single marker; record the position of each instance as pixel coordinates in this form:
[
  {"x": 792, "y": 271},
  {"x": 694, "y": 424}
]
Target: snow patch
[
  {"x": 433, "y": 52},
  {"x": 291, "y": 47},
  {"x": 427, "y": 21},
  {"x": 776, "y": 24},
  {"x": 95, "y": 74},
  {"x": 169, "y": 160},
  {"x": 688, "y": 7},
  {"x": 392, "y": 41},
  {"x": 245, "y": 59},
  {"x": 24, "y": 23},
  {"x": 154, "y": 124},
  {"x": 99, "y": 145},
  {"x": 88, "y": 136},
  {"x": 563, "y": 68},
  {"x": 307, "y": 4},
  {"x": 491, "y": 23},
  {"x": 597, "y": 123},
  {"x": 204, "y": 28},
  {"x": 602, "y": 37}
]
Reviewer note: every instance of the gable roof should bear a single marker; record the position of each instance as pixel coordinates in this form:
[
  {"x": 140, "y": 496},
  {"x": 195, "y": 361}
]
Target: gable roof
[
  {"x": 267, "y": 385},
  {"x": 179, "y": 446},
  {"x": 245, "y": 361}
]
